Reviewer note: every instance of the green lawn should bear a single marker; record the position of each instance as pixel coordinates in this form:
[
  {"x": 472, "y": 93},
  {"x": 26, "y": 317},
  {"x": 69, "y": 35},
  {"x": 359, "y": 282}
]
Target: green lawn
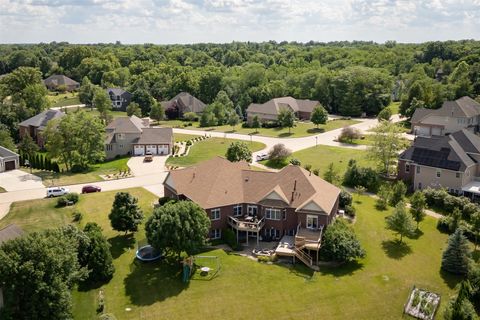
[
  {"x": 394, "y": 106},
  {"x": 63, "y": 99},
  {"x": 302, "y": 129},
  {"x": 2, "y": 190},
  {"x": 183, "y": 137},
  {"x": 206, "y": 149},
  {"x": 374, "y": 288},
  {"x": 65, "y": 178},
  {"x": 321, "y": 156}
]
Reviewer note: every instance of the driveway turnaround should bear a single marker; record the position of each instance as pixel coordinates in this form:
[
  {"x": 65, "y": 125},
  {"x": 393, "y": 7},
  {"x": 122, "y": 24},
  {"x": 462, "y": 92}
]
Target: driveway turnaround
[
  {"x": 140, "y": 168},
  {"x": 19, "y": 180}
]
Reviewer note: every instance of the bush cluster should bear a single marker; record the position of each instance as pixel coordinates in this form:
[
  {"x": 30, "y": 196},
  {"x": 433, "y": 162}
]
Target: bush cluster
[{"x": 361, "y": 176}]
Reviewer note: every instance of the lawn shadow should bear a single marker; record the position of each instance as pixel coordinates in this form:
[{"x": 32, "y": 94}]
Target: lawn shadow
[
  {"x": 120, "y": 244},
  {"x": 316, "y": 130},
  {"x": 450, "y": 279},
  {"x": 396, "y": 249},
  {"x": 345, "y": 269},
  {"x": 416, "y": 234},
  {"x": 285, "y": 134},
  {"x": 151, "y": 282},
  {"x": 302, "y": 271}
]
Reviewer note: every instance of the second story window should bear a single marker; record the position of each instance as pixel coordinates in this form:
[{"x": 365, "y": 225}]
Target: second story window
[
  {"x": 121, "y": 136},
  {"x": 439, "y": 173},
  {"x": 407, "y": 167},
  {"x": 237, "y": 211},
  {"x": 215, "y": 214},
  {"x": 273, "y": 214}
]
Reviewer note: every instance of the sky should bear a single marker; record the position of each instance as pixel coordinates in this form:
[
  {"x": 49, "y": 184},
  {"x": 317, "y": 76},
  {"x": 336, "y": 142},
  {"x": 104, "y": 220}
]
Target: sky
[{"x": 219, "y": 21}]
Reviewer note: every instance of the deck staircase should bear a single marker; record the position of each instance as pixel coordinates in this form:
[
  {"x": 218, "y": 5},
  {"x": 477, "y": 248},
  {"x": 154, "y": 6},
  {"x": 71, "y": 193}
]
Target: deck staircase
[{"x": 302, "y": 256}]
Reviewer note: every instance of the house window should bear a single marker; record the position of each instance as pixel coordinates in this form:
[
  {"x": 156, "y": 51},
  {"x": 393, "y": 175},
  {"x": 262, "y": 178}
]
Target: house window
[
  {"x": 215, "y": 213},
  {"x": 252, "y": 210},
  {"x": 439, "y": 173},
  {"x": 457, "y": 174},
  {"x": 121, "y": 146},
  {"x": 216, "y": 234},
  {"x": 273, "y": 214},
  {"x": 274, "y": 233},
  {"x": 237, "y": 210},
  {"x": 109, "y": 147},
  {"x": 118, "y": 103},
  {"x": 121, "y": 136},
  {"x": 418, "y": 169},
  {"x": 407, "y": 167},
  {"x": 284, "y": 214},
  {"x": 420, "y": 185},
  {"x": 312, "y": 222}
]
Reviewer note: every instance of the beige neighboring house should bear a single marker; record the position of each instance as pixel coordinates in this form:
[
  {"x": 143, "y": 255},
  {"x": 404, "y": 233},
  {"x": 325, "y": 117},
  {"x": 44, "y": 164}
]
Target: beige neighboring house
[
  {"x": 451, "y": 162},
  {"x": 10, "y": 232},
  {"x": 453, "y": 116},
  {"x": 269, "y": 110},
  {"x": 182, "y": 103},
  {"x": 56, "y": 80},
  {"x": 133, "y": 136}
]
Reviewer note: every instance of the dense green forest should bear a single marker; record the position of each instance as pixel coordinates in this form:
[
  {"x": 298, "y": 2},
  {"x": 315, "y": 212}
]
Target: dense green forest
[{"x": 348, "y": 78}]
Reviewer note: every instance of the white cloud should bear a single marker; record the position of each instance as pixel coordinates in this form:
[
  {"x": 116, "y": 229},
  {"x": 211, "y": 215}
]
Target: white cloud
[{"x": 181, "y": 21}]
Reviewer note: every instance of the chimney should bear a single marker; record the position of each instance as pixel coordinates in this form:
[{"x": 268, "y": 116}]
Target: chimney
[{"x": 295, "y": 185}]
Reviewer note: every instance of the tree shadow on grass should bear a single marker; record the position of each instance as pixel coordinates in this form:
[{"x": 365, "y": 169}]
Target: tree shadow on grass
[
  {"x": 316, "y": 130},
  {"x": 285, "y": 134},
  {"x": 150, "y": 282},
  {"x": 450, "y": 279},
  {"x": 302, "y": 271},
  {"x": 396, "y": 249},
  {"x": 345, "y": 269},
  {"x": 120, "y": 244},
  {"x": 416, "y": 234}
]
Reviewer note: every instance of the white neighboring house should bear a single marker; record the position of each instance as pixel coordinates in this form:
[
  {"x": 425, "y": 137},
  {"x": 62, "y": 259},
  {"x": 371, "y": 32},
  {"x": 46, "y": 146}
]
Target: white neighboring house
[
  {"x": 453, "y": 116},
  {"x": 9, "y": 160}
]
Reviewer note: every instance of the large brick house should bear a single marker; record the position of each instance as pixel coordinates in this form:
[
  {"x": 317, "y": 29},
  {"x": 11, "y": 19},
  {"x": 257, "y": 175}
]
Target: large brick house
[
  {"x": 453, "y": 116},
  {"x": 35, "y": 125},
  {"x": 259, "y": 204},
  {"x": 57, "y": 80},
  {"x": 269, "y": 110},
  {"x": 182, "y": 103},
  {"x": 133, "y": 136},
  {"x": 450, "y": 162}
]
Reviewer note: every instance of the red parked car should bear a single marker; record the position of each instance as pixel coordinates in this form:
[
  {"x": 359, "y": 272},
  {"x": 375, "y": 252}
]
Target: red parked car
[{"x": 89, "y": 189}]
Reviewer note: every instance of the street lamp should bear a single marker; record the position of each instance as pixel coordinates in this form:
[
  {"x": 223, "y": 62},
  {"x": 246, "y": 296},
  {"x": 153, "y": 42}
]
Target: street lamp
[{"x": 316, "y": 141}]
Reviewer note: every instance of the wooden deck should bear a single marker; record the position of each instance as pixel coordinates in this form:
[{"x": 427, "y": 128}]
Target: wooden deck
[{"x": 241, "y": 224}]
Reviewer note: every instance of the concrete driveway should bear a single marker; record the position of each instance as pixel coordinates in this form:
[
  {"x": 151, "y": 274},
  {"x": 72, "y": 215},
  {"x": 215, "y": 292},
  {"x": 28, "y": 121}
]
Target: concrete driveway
[
  {"x": 18, "y": 180},
  {"x": 141, "y": 168}
]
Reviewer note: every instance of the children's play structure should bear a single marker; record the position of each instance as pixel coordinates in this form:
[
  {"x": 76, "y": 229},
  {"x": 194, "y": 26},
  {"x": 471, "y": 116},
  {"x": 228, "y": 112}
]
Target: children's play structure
[{"x": 200, "y": 268}]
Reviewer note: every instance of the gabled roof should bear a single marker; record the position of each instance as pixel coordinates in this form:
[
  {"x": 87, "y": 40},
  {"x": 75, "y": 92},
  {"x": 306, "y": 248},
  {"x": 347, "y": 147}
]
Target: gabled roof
[
  {"x": 218, "y": 182},
  {"x": 275, "y": 194},
  {"x": 274, "y": 106},
  {"x": 10, "y": 232},
  {"x": 131, "y": 124},
  {"x": 40, "y": 120},
  {"x": 464, "y": 107},
  {"x": 4, "y": 152},
  {"x": 155, "y": 136},
  {"x": 117, "y": 91},
  {"x": 185, "y": 102},
  {"x": 60, "y": 79},
  {"x": 450, "y": 152}
]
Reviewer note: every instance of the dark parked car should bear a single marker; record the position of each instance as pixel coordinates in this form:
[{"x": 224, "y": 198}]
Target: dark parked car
[{"x": 89, "y": 189}]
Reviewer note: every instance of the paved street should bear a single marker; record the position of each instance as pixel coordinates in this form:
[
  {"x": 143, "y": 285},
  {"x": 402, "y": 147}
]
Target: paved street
[{"x": 151, "y": 175}]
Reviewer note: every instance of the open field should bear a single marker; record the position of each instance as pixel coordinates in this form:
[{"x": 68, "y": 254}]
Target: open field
[
  {"x": 66, "y": 178},
  {"x": 206, "y": 149},
  {"x": 375, "y": 287},
  {"x": 302, "y": 129}
]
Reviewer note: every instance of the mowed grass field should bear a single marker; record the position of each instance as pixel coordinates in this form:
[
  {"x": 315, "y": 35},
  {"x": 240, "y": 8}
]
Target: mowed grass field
[
  {"x": 301, "y": 129},
  {"x": 206, "y": 149},
  {"x": 375, "y": 287}
]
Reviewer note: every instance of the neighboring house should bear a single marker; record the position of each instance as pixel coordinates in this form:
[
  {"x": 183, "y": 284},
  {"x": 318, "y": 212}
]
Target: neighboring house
[
  {"x": 269, "y": 110},
  {"x": 35, "y": 125},
  {"x": 120, "y": 98},
  {"x": 132, "y": 136},
  {"x": 10, "y": 232},
  {"x": 292, "y": 202},
  {"x": 463, "y": 113},
  {"x": 8, "y": 160},
  {"x": 182, "y": 103},
  {"x": 56, "y": 80},
  {"x": 450, "y": 162}
]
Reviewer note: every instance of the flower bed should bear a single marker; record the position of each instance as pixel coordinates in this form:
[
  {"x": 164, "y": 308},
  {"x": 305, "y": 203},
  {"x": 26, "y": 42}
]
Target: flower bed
[{"x": 422, "y": 304}]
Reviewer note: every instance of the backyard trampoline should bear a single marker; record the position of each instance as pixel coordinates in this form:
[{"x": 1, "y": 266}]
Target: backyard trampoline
[{"x": 148, "y": 253}]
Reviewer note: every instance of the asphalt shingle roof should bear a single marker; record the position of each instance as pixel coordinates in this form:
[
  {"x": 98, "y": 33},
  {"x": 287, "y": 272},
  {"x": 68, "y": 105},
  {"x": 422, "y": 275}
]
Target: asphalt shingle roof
[
  {"x": 10, "y": 232},
  {"x": 4, "y": 152},
  {"x": 464, "y": 107},
  {"x": 131, "y": 124},
  {"x": 60, "y": 79},
  {"x": 40, "y": 120},
  {"x": 186, "y": 102},
  {"x": 156, "y": 136},
  {"x": 274, "y": 106}
]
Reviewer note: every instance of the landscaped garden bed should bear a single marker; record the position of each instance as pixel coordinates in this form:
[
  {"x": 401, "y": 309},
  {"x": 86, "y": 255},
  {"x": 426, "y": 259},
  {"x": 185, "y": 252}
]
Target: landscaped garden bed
[{"x": 422, "y": 304}]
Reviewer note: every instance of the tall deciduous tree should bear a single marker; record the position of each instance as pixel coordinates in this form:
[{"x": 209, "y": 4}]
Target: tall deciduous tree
[
  {"x": 331, "y": 175},
  {"x": 255, "y": 123},
  {"x": 102, "y": 102},
  {"x": 28, "y": 148},
  {"x": 399, "y": 189},
  {"x": 125, "y": 214},
  {"x": 456, "y": 257},
  {"x": 233, "y": 119},
  {"x": 6, "y": 140},
  {"x": 400, "y": 221},
  {"x": 279, "y": 153},
  {"x": 238, "y": 151},
  {"x": 387, "y": 142},
  {"x": 178, "y": 227},
  {"x": 319, "y": 115},
  {"x": 133, "y": 109},
  {"x": 417, "y": 206},
  {"x": 286, "y": 118},
  {"x": 157, "y": 112},
  {"x": 87, "y": 91}
]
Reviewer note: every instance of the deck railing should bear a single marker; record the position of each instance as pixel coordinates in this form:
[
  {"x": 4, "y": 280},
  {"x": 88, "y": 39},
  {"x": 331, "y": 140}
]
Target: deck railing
[{"x": 243, "y": 225}]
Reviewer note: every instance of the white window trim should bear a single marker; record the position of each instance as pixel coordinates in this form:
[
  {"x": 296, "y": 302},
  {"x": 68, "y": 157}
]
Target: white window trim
[
  {"x": 250, "y": 212},
  {"x": 277, "y": 214},
  {"x": 216, "y": 234},
  {"x": 237, "y": 213},
  {"x": 314, "y": 217},
  {"x": 213, "y": 214}
]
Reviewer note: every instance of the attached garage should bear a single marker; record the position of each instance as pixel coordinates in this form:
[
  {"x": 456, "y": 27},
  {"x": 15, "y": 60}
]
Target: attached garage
[
  {"x": 10, "y": 165},
  {"x": 436, "y": 131},
  {"x": 163, "y": 149},
  {"x": 421, "y": 131},
  {"x": 155, "y": 141},
  {"x": 9, "y": 160},
  {"x": 138, "y": 150},
  {"x": 152, "y": 149}
]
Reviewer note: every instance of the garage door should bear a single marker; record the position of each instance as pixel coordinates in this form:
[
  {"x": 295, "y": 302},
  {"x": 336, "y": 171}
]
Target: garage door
[
  {"x": 152, "y": 149},
  {"x": 139, "y": 150},
  {"x": 436, "y": 131},
  {"x": 10, "y": 165},
  {"x": 422, "y": 131},
  {"x": 163, "y": 149}
]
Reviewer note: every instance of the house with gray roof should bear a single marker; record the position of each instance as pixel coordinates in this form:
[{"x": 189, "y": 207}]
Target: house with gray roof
[
  {"x": 120, "y": 98},
  {"x": 9, "y": 160},
  {"x": 182, "y": 103},
  {"x": 57, "y": 80},
  {"x": 451, "y": 161},
  {"x": 453, "y": 116},
  {"x": 35, "y": 125},
  {"x": 269, "y": 110},
  {"x": 133, "y": 136}
]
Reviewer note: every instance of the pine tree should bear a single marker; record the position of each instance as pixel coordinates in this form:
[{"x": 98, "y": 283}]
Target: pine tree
[
  {"x": 400, "y": 221},
  {"x": 456, "y": 256}
]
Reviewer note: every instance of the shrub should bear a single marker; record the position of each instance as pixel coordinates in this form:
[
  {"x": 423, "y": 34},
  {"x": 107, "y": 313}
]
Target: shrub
[
  {"x": 189, "y": 143},
  {"x": 164, "y": 200},
  {"x": 350, "y": 211},
  {"x": 399, "y": 190},
  {"x": 279, "y": 153},
  {"x": 295, "y": 162},
  {"x": 345, "y": 199},
  {"x": 77, "y": 216},
  {"x": 73, "y": 197},
  {"x": 339, "y": 243},
  {"x": 316, "y": 172},
  {"x": 358, "y": 176},
  {"x": 62, "y": 201},
  {"x": 348, "y": 134},
  {"x": 385, "y": 114},
  {"x": 190, "y": 116},
  {"x": 230, "y": 239},
  {"x": 76, "y": 168},
  {"x": 308, "y": 167}
]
